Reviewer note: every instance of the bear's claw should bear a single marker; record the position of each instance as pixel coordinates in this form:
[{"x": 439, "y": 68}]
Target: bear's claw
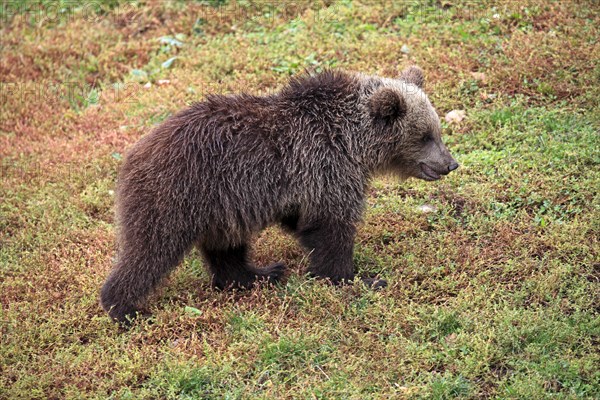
[
  {"x": 274, "y": 272},
  {"x": 375, "y": 283}
]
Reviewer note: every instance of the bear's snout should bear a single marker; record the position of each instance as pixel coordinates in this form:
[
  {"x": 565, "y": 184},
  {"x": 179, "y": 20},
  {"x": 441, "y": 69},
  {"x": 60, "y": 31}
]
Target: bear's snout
[{"x": 454, "y": 165}]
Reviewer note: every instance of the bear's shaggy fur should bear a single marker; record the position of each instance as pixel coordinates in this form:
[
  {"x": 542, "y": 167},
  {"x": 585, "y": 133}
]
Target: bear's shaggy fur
[{"x": 225, "y": 168}]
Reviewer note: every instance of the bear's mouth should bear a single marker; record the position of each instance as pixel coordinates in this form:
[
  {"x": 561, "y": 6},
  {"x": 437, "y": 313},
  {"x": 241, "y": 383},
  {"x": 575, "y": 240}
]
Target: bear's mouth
[{"x": 428, "y": 173}]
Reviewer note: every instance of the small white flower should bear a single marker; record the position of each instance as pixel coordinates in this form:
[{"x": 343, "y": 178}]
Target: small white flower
[
  {"x": 455, "y": 116},
  {"x": 427, "y": 208}
]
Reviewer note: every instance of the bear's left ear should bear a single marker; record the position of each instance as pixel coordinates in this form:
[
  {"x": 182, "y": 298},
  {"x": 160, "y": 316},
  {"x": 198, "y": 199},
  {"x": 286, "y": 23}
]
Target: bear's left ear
[
  {"x": 414, "y": 75},
  {"x": 387, "y": 103}
]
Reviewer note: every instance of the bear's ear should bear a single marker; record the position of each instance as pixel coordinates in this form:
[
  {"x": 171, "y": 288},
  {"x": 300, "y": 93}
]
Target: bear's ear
[
  {"x": 387, "y": 103},
  {"x": 414, "y": 75}
]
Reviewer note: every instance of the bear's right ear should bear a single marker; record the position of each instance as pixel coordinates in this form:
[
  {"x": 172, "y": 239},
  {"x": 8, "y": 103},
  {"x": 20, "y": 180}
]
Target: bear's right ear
[
  {"x": 387, "y": 103},
  {"x": 414, "y": 75}
]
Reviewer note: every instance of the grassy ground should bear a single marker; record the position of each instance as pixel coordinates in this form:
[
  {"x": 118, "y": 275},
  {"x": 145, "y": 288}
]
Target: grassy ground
[{"x": 494, "y": 295}]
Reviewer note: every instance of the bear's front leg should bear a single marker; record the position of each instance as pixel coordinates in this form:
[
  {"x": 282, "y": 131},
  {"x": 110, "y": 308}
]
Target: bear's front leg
[{"x": 331, "y": 245}]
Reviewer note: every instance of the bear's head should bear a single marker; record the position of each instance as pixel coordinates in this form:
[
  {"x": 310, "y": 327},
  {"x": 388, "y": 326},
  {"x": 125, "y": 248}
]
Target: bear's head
[{"x": 409, "y": 128}]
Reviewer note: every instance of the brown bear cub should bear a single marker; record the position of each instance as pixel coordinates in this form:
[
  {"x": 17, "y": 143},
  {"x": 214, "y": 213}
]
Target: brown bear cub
[{"x": 223, "y": 169}]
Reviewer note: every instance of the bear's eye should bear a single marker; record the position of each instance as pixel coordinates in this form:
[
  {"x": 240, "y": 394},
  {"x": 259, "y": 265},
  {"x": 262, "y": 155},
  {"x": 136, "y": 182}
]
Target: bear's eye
[{"x": 427, "y": 138}]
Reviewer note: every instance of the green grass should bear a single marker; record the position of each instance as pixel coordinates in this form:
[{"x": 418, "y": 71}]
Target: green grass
[{"x": 493, "y": 295}]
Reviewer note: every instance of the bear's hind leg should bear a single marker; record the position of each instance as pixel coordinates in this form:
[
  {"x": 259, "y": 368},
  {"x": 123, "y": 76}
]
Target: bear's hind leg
[
  {"x": 141, "y": 265},
  {"x": 231, "y": 268}
]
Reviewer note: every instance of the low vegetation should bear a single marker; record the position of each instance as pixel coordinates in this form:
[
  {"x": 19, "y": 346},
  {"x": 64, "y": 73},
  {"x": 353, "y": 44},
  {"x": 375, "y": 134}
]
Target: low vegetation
[{"x": 493, "y": 286}]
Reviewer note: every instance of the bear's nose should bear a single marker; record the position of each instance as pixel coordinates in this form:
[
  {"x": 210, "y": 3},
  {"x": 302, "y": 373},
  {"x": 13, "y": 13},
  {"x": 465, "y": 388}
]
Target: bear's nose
[{"x": 452, "y": 166}]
